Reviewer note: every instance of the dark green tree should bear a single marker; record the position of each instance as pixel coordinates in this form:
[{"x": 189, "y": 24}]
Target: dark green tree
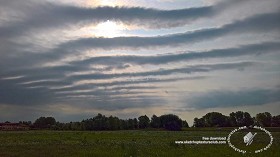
[
  {"x": 44, "y": 122},
  {"x": 171, "y": 122},
  {"x": 114, "y": 123},
  {"x": 275, "y": 121},
  {"x": 185, "y": 124},
  {"x": 248, "y": 120},
  {"x": 198, "y": 122},
  {"x": 136, "y": 124},
  {"x": 264, "y": 119},
  {"x": 144, "y": 122},
  {"x": 130, "y": 124},
  {"x": 240, "y": 118},
  {"x": 216, "y": 119},
  {"x": 155, "y": 122}
]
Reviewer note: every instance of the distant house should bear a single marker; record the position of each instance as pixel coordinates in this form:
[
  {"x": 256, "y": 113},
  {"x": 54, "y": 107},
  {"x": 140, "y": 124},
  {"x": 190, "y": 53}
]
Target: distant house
[{"x": 13, "y": 126}]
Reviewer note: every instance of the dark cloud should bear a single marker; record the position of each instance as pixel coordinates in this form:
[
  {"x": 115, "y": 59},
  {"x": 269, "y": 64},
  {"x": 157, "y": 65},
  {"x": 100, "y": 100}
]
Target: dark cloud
[
  {"x": 108, "y": 93},
  {"x": 17, "y": 95},
  {"x": 133, "y": 87},
  {"x": 50, "y": 15},
  {"x": 25, "y": 95},
  {"x": 111, "y": 104},
  {"x": 125, "y": 82},
  {"x": 13, "y": 94},
  {"x": 121, "y": 62},
  {"x": 55, "y": 75},
  {"x": 251, "y": 49},
  {"x": 227, "y": 98},
  {"x": 70, "y": 80},
  {"x": 162, "y": 72},
  {"x": 116, "y": 88},
  {"x": 263, "y": 22},
  {"x": 257, "y": 23}
]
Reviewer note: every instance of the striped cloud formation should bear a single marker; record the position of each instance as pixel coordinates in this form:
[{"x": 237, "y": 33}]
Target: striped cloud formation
[{"x": 73, "y": 59}]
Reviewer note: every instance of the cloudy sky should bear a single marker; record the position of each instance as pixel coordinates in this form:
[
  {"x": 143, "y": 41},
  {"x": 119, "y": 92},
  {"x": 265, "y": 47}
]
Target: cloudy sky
[{"x": 73, "y": 59}]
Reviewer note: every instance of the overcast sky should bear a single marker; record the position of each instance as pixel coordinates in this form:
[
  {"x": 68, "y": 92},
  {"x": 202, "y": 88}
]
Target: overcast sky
[{"x": 73, "y": 59}]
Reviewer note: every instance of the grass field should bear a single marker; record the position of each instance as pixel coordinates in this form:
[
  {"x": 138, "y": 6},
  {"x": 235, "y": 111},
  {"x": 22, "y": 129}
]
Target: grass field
[{"x": 121, "y": 143}]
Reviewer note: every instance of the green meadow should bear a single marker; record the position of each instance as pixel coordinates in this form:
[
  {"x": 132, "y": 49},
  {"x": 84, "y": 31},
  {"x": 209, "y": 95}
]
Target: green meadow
[{"x": 132, "y": 143}]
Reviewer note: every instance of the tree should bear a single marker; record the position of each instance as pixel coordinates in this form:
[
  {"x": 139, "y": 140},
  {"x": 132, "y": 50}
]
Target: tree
[
  {"x": 171, "y": 122},
  {"x": 144, "y": 122},
  {"x": 130, "y": 124},
  {"x": 100, "y": 122},
  {"x": 247, "y": 119},
  {"x": 240, "y": 118},
  {"x": 155, "y": 121},
  {"x": 185, "y": 124},
  {"x": 216, "y": 119},
  {"x": 264, "y": 119},
  {"x": 232, "y": 119},
  {"x": 44, "y": 122},
  {"x": 124, "y": 124},
  {"x": 88, "y": 123},
  {"x": 29, "y": 123},
  {"x": 198, "y": 122},
  {"x": 114, "y": 123},
  {"x": 136, "y": 125},
  {"x": 275, "y": 121}
]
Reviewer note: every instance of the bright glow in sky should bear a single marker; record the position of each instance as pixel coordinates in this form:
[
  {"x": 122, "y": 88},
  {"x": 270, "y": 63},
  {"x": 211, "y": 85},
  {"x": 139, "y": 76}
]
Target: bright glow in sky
[{"x": 106, "y": 29}]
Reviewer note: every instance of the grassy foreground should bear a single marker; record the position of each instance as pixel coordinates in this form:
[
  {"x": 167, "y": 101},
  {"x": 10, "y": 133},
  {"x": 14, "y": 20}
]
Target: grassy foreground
[{"x": 119, "y": 143}]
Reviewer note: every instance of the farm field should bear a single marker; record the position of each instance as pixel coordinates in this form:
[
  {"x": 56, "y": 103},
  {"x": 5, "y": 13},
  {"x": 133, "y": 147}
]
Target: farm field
[{"x": 121, "y": 143}]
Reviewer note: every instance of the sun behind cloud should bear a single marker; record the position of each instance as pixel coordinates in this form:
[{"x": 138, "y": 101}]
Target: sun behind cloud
[
  {"x": 108, "y": 29},
  {"x": 105, "y": 29}
]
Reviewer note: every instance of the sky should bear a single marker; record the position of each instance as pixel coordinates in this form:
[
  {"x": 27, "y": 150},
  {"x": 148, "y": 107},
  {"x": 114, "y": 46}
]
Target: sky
[{"x": 73, "y": 59}]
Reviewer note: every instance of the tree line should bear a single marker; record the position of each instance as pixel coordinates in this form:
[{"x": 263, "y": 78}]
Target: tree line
[
  {"x": 168, "y": 121},
  {"x": 237, "y": 119},
  {"x": 102, "y": 122}
]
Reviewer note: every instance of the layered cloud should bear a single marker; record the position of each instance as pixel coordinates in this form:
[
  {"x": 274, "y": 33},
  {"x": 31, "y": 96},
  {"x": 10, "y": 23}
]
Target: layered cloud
[
  {"x": 257, "y": 24},
  {"x": 227, "y": 98},
  {"x": 50, "y": 15},
  {"x": 52, "y": 55}
]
